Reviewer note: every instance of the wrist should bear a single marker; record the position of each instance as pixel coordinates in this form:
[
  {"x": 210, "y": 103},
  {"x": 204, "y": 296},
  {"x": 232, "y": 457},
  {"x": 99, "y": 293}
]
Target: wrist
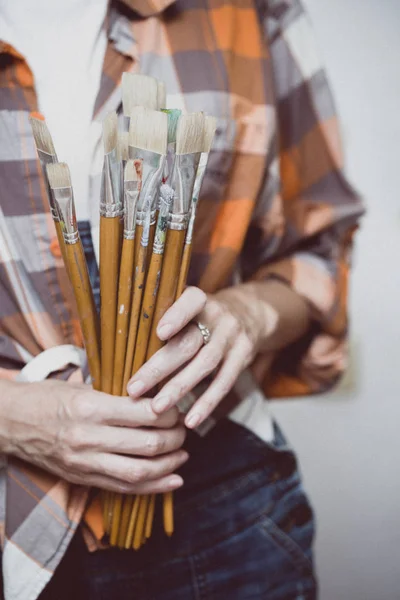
[
  {"x": 11, "y": 393},
  {"x": 258, "y": 317}
]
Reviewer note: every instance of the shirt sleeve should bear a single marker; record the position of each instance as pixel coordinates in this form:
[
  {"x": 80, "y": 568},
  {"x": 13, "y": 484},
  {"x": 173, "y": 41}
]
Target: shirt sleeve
[{"x": 303, "y": 225}]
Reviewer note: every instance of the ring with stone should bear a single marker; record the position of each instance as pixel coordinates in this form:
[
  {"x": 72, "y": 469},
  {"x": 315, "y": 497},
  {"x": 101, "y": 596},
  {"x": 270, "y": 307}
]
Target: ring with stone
[{"x": 205, "y": 332}]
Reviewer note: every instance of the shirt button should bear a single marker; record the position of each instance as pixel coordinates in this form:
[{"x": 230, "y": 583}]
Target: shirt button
[{"x": 55, "y": 248}]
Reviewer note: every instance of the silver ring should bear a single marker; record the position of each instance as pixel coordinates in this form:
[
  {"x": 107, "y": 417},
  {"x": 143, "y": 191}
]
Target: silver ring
[{"x": 205, "y": 332}]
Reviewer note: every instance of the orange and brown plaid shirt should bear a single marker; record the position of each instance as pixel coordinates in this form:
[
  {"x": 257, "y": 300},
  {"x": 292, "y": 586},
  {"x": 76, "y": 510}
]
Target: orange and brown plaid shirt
[{"x": 274, "y": 203}]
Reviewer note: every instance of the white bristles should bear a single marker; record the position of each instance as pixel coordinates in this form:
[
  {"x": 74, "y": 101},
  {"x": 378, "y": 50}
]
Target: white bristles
[
  {"x": 161, "y": 95},
  {"x": 148, "y": 130},
  {"x": 41, "y": 134},
  {"x": 123, "y": 145},
  {"x": 59, "y": 175},
  {"x": 110, "y": 132},
  {"x": 189, "y": 133},
  {"x": 210, "y": 125},
  {"x": 138, "y": 90},
  {"x": 130, "y": 171}
]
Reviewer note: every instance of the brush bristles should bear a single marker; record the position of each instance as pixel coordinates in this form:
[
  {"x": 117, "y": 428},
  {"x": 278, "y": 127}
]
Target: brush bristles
[
  {"x": 138, "y": 90},
  {"x": 42, "y": 136},
  {"x": 110, "y": 132},
  {"x": 189, "y": 133},
  {"x": 161, "y": 95},
  {"x": 130, "y": 171},
  {"x": 148, "y": 130},
  {"x": 173, "y": 115},
  {"x": 210, "y": 125},
  {"x": 123, "y": 145},
  {"x": 59, "y": 175}
]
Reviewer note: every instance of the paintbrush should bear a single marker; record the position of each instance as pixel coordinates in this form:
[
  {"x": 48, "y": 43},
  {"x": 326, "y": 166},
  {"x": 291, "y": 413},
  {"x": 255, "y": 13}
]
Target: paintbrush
[
  {"x": 153, "y": 278},
  {"x": 47, "y": 155},
  {"x": 63, "y": 199},
  {"x": 138, "y": 90},
  {"x": 148, "y": 142},
  {"x": 210, "y": 125},
  {"x": 132, "y": 184},
  {"x": 161, "y": 95},
  {"x": 189, "y": 145},
  {"x": 189, "y": 141},
  {"x": 123, "y": 147},
  {"x": 173, "y": 115},
  {"x": 110, "y": 238}
]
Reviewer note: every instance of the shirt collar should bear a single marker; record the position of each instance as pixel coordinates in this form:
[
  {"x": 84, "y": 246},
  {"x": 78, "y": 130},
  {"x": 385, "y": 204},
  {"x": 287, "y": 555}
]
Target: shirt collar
[{"x": 148, "y": 8}]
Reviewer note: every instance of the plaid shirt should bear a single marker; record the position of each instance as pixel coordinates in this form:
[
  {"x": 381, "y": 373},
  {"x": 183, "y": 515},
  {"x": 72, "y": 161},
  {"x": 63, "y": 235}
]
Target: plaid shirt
[{"x": 274, "y": 203}]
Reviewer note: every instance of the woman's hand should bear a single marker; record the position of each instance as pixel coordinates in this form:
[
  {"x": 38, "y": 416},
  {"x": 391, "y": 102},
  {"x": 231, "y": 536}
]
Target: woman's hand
[
  {"x": 90, "y": 438},
  {"x": 237, "y": 331}
]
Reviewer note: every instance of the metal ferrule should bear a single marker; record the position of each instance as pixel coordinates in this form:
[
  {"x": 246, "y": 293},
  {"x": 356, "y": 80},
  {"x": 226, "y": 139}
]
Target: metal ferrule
[
  {"x": 64, "y": 201},
  {"x": 141, "y": 215},
  {"x": 152, "y": 171},
  {"x": 178, "y": 222},
  {"x": 144, "y": 240},
  {"x": 169, "y": 163},
  {"x": 196, "y": 193},
  {"x": 182, "y": 181},
  {"x": 111, "y": 186},
  {"x": 131, "y": 192},
  {"x": 48, "y": 159},
  {"x": 162, "y": 224}
]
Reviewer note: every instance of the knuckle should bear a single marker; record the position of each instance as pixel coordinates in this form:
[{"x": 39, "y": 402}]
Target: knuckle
[
  {"x": 86, "y": 409},
  {"x": 151, "y": 416},
  {"x": 189, "y": 343},
  {"x": 151, "y": 371},
  {"x": 137, "y": 474},
  {"x": 77, "y": 438},
  {"x": 215, "y": 310},
  {"x": 154, "y": 444}
]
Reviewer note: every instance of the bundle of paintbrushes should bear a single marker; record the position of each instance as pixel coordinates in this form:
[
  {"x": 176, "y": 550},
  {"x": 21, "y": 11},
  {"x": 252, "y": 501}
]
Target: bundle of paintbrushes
[{"x": 151, "y": 180}]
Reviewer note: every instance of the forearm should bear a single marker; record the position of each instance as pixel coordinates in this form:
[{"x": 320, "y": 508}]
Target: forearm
[
  {"x": 10, "y": 395},
  {"x": 276, "y": 314}
]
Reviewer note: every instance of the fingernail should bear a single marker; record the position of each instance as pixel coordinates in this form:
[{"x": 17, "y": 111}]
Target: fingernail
[
  {"x": 175, "y": 481},
  {"x": 161, "y": 403},
  {"x": 184, "y": 455},
  {"x": 193, "y": 421},
  {"x": 136, "y": 388},
  {"x": 164, "y": 331}
]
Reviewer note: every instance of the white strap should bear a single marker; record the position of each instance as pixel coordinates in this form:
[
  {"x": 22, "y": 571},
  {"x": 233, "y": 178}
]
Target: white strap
[{"x": 51, "y": 360}]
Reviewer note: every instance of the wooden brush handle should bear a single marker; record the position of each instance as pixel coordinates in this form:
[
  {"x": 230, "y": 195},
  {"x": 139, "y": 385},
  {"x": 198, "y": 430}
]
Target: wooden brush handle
[
  {"x": 126, "y": 280},
  {"x": 187, "y": 254},
  {"x": 79, "y": 276},
  {"x": 147, "y": 312},
  {"x": 168, "y": 283},
  {"x": 109, "y": 272},
  {"x": 140, "y": 275}
]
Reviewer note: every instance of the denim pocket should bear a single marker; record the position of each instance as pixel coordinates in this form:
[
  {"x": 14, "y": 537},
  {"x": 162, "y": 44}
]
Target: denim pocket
[{"x": 295, "y": 544}]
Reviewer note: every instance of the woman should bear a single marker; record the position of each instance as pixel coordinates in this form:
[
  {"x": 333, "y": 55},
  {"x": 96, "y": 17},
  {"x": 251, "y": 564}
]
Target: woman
[{"x": 268, "y": 295}]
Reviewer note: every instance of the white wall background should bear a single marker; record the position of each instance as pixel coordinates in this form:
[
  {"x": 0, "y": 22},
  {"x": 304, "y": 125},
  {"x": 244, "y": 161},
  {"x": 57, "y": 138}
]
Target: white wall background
[{"x": 349, "y": 442}]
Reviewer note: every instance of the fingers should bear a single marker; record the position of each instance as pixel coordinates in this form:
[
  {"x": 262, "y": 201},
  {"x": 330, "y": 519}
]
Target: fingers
[
  {"x": 122, "y": 440},
  {"x": 205, "y": 363},
  {"x": 98, "y": 408},
  {"x": 133, "y": 471},
  {"x": 158, "y": 486},
  {"x": 166, "y": 361},
  {"x": 223, "y": 382},
  {"x": 186, "y": 308}
]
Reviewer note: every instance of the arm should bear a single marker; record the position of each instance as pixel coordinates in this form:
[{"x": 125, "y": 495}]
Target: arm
[
  {"x": 90, "y": 438},
  {"x": 295, "y": 260}
]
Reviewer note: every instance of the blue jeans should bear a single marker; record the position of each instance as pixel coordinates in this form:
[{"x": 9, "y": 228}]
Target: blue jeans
[{"x": 244, "y": 530}]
